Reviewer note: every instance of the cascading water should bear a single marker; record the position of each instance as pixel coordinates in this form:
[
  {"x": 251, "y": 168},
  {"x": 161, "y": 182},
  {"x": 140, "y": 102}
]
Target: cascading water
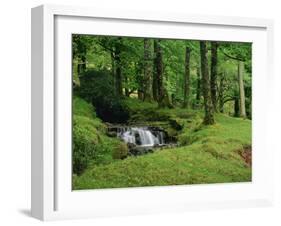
[{"x": 141, "y": 136}]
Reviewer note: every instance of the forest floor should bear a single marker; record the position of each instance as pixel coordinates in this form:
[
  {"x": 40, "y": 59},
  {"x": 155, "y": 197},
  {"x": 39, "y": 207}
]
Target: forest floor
[{"x": 220, "y": 153}]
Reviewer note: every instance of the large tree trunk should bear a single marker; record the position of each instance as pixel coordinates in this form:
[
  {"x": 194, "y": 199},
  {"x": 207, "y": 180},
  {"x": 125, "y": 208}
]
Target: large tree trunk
[
  {"x": 118, "y": 72},
  {"x": 159, "y": 73},
  {"x": 241, "y": 89},
  {"x": 209, "y": 114},
  {"x": 148, "y": 68},
  {"x": 186, "y": 78},
  {"x": 214, "y": 71}
]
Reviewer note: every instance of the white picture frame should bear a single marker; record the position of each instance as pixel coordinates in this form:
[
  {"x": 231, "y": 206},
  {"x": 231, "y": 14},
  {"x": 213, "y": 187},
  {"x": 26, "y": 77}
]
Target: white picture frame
[{"x": 52, "y": 197}]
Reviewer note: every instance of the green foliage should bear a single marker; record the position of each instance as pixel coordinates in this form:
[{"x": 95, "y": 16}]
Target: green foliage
[
  {"x": 207, "y": 154},
  {"x": 83, "y": 108},
  {"x": 100, "y": 51},
  {"x": 97, "y": 87},
  {"x": 91, "y": 146},
  {"x": 85, "y": 139},
  {"x": 210, "y": 154}
]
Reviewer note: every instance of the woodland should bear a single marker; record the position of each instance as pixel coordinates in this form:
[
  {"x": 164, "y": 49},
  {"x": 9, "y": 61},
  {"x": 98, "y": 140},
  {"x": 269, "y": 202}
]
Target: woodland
[{"x": 153, "y": 112}]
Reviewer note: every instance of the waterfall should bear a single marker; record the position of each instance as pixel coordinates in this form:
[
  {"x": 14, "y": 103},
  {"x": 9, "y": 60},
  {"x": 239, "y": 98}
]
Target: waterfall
[{"x": 142, "y": 136}]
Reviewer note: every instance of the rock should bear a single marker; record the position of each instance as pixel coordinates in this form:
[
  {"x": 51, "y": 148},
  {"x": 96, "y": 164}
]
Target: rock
[
  {"x": 120, "y": 151},
  {"x": 131, "y": 146},
  {"x": 138, "y": 150},
  {"x": 176, "y": 124},
  {"x": 111, "y": 133},
  {"x": 138, "y": 139}
]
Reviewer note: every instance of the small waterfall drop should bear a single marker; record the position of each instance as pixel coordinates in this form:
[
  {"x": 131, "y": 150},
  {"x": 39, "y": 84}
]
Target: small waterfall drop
[{"x": 141, "y": 136}]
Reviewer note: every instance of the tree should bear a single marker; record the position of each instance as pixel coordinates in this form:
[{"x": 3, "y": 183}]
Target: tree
[
  {"x": 241, "y": 89},
  {"x": 159, "y": 72},
  {"x": 214, "y": 71},
  {"x": 155, "y": 75},
  {"x": 80, "y": 46},
  {"x": 187, "y": 78},
  {"x": 221, "y": 88},
  {"x": 140, "y": 79},
  {"x": 118, "y": 65},
  {"x": 198, "y": 86},
  {"x": 209, "y": 114},
  {"x": 240, "y": 53},
  {"x": 148, "y": 68}
]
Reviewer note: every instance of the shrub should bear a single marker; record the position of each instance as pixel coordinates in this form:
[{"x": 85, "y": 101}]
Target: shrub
[
  {"x": 97, "y": 87},
  {"x": 83, "y": 108},
  {"x": 85, "y": 137}
]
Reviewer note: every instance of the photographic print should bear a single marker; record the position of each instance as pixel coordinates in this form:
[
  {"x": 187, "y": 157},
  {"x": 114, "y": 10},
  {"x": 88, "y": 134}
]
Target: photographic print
[{"x": 158, "y": 112}]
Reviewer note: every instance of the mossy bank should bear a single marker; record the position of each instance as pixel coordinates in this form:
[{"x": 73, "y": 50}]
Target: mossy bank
[{"x": 206, "y": 154}]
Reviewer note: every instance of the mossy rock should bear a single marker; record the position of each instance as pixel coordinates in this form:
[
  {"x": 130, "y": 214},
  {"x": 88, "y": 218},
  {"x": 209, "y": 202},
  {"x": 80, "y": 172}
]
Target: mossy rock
[
  {"x": 120, "y": 151},
  {"x": 176, "y": 123},
  {"x": 111, "y": 133}
]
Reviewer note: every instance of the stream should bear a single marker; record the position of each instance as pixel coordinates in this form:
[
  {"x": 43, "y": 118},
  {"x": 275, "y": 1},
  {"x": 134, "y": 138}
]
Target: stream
[{"x": 142, "y": 139}]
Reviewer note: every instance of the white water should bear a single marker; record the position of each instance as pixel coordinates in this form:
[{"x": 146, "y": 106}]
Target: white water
[{"x": 141, "y": 136}]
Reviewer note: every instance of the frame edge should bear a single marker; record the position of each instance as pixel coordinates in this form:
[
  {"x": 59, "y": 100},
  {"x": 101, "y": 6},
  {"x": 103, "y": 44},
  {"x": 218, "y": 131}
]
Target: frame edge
[{"x": 37, "y": 65}]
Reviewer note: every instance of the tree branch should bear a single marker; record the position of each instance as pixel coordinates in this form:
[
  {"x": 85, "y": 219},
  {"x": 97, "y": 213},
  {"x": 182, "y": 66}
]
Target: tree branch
[{"x": 232, "y": 57}]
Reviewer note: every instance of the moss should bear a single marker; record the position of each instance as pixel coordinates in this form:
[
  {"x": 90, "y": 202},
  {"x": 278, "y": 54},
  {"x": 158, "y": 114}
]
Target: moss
[
  {"x": 120, "y": 151},
  {"x": 82, "y": 108},
  {"x": 211, "y": 156},
  {"x": 176, "y": 123},
  {"x": 91, "y": 145}
]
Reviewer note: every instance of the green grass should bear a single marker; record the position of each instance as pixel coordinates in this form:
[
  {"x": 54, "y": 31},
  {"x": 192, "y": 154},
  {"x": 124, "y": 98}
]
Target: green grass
[
  {"x": 186, "y": 165},
  {"x": 209, "y": 154}
]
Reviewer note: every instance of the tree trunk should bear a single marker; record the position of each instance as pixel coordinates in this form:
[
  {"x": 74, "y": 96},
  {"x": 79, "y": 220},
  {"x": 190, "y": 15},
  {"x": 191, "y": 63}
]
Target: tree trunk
[
  {"x": 236, "y": 106},
  {"x": 127, "y": 91},
  {"x": 221, "y": 92},
  {"x": 241, "y": 89},
  {"x": 214, "y": 71},
  {"x": 186, "y": 78},
  {"x": 118, "y": 73},
  {"x": 139, "y": 78},
  {"x": 148, "y": 68},
  {"x": 155, "y": 81},
  {"x": 82, "y": 64},
  {"x": 159, "y": 73},
  {"x": 198, "y": 88},
  {"x": 209, "y": 115},
  {"x": 113, "y": 68}
]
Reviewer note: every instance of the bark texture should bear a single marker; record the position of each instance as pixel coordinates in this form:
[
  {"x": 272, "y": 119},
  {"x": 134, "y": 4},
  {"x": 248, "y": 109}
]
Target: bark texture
[
  {"x": 118, "y": 72},
  {"x": 198, "y": 88},
  {"x": 159, "y": 73},
  {"x": 148, "y": 69},
  {"x": 214, "y": 71},
  {"x": 241, "y": 89},
  {"x": 209, "y": 113},
  {"x": 186, "y": 78}
]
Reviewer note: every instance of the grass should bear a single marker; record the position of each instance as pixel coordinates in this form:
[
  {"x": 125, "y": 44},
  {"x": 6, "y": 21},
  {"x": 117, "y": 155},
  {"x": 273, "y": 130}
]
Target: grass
[
  {"x": 185, "y": 165},
  {"x": 209, "y": 154}
]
